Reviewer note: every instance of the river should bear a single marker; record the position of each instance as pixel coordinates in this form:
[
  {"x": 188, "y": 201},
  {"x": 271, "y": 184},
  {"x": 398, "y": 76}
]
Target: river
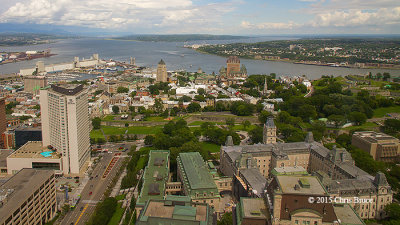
[{"x": 175, "y": 56}]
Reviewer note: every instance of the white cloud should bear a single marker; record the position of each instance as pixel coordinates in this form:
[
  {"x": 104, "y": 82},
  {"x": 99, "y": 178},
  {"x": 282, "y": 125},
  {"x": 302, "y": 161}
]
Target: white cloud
[
  {"x": 269, "y": 26},
  {"x": 123, "y": 14}
]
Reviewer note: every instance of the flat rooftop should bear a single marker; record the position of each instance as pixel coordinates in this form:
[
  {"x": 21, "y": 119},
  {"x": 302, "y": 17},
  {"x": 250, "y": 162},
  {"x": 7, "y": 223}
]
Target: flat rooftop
[
  {"x": 67, "y": 89},
  {"x": 155, "y": 176},
  {"x": 19, "y": 188},
  {"x": 193, "y": 212},
  {"x": 290, "y": 170},
  {"x": 196, "y": 171},
  {"x": 300, "y": 185},
  {"x": 253, "y": 208},
  {"x": 347, "y": 215},
  {"x": 375, "y": 137},
  {"x": 3, "y": 157},
  {"x": 32, "y": 149}
]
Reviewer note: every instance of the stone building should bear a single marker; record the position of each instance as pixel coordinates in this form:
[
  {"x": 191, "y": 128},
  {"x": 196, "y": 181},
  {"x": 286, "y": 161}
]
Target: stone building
[
  {"x": 161, "y": 72},
  {"x": 337, "y": 164},
  {"x": 380, "y": 146},
  {"x": 233, "y": 73},
  {"x": 269, "y": 132}
]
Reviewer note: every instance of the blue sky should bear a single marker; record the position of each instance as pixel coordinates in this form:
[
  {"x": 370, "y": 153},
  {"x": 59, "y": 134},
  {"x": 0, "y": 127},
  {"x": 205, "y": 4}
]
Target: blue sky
[{"x": 238, "y": 17}]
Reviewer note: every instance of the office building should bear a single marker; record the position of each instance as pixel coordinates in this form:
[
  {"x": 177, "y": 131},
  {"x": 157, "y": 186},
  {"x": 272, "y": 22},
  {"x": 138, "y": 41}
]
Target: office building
[
  {"x": 29, "y": 197},
  {"x": 65, "y": 124},
  {"x": 176, "y": 210},
  {"x": 33, "y": 84},
  {"x": 25, "y": 134},
  {"x": 380, "y": 146},
  {"x": 3, "y": 120},
  {"x": 162, "y": 75}
]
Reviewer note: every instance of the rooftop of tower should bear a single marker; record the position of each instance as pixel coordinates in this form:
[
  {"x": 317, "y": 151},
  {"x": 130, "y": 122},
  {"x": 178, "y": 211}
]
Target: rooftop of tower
[
  {"x": 233, "y": 59},
  {"x": 161, "y": 62},
  {"x": 67, "y": 89}
]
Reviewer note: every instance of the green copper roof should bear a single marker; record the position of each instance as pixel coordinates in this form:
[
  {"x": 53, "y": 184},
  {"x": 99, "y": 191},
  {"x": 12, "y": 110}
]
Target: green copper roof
[
  {"x": 196, "y": 176},
  {"x": 184, "y": 212},
  {"x": 155, "y": 176}
]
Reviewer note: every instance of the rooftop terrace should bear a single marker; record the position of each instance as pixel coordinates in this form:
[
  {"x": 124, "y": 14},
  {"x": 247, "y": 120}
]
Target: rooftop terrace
[{"x": 34, "y": 149}]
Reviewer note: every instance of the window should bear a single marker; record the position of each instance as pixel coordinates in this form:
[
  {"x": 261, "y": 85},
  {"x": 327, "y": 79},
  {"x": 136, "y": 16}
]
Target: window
[{"x": 296, "y": 222}]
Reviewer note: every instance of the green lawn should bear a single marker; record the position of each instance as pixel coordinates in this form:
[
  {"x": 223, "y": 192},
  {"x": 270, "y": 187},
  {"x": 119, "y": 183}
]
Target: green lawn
[
  {"x": 108, "y": 118},
  {"x": 240, "y": 127},
  {"x": 381, "y": 112},
  {"x": 110, "y": 130},
  {"x": 156, "y": 119},
  {"x": 210, "y": 146},
  {"x": 120, "y": 197},
  {"x": 197, "y": 123},
  {"x": 144, "y": 130},
  {"x": 96, "y": 134},
  {"x": 119, "y": 211}
]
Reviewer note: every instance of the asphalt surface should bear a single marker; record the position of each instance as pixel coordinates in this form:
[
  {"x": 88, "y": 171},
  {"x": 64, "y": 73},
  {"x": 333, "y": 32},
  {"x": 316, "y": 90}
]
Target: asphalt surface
[{"x": 97, "y": 185}]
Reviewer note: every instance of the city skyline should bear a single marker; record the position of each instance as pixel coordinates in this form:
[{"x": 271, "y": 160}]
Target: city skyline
[{"x": 215, "y": 17}]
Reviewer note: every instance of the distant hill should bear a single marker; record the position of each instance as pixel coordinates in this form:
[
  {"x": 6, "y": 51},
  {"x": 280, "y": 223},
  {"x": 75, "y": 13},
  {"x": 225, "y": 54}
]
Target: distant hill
[{"x": 179, "y": 37}]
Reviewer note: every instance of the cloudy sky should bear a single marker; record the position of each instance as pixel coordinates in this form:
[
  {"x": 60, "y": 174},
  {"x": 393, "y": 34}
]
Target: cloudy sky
[{"x": 211, "y": 16}]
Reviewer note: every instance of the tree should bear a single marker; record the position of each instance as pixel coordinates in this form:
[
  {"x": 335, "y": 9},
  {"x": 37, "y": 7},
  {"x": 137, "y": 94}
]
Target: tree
[
  {"x": 256, "y": 135},
  {"x": 338, "y": 120},
  {"x": 122, "y": 90},
  {"x": 230, "y": 122},
  {"x": 344, "y": 140},
  {"x": 226, "y": 219},
  {"x": 193, "y": 107},
  {"x": 158, "y": 105},
  {"x": 246, "y": 124},
  {"x": 96, "y": 123},
  {"x": 263, "y": 116},
  {"x": 201, "y": 91},
  {"x": 393, "y": 210},
  {"x": 358, "y": 118},
  {"x": 391, "y": 126},
  {"x": 149, "y": 139},
  {"x": 115, "y": 109},
  {"x": 133, "y": 94}
]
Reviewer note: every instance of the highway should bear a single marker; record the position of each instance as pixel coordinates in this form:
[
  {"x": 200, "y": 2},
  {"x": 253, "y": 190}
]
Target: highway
[{"x": 97, "y": 185}]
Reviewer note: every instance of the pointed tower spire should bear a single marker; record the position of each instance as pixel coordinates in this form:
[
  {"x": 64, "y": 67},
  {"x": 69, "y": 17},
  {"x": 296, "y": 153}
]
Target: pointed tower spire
[
  {"x": 229, "y": 141},
  {"x": 309, "y": 137}
]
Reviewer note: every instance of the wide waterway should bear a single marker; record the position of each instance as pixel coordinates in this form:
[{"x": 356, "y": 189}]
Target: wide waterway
[{"x": 175, "y": 56}]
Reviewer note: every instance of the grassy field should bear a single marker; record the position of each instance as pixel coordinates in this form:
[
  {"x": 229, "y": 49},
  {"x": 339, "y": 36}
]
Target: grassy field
[
  {"x": 110, "y": 130},
  {"x": 367, "y": 126},
  {"x": 210, "y": 146},
  {"x": 240, "y": 127},
  {"x": 381, "y": 112},
  {"x": 108, "y": 118},
  {"x": 119, "y": 211},
  {"x": 96, "y": 134},
  {"x": 144, "y": 130},
  {"x": 198, "y": 123}
]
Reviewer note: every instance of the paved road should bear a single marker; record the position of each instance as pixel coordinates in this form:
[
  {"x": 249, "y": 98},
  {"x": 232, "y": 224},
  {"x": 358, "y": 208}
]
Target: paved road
[{"x": 97, "y": 185}]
